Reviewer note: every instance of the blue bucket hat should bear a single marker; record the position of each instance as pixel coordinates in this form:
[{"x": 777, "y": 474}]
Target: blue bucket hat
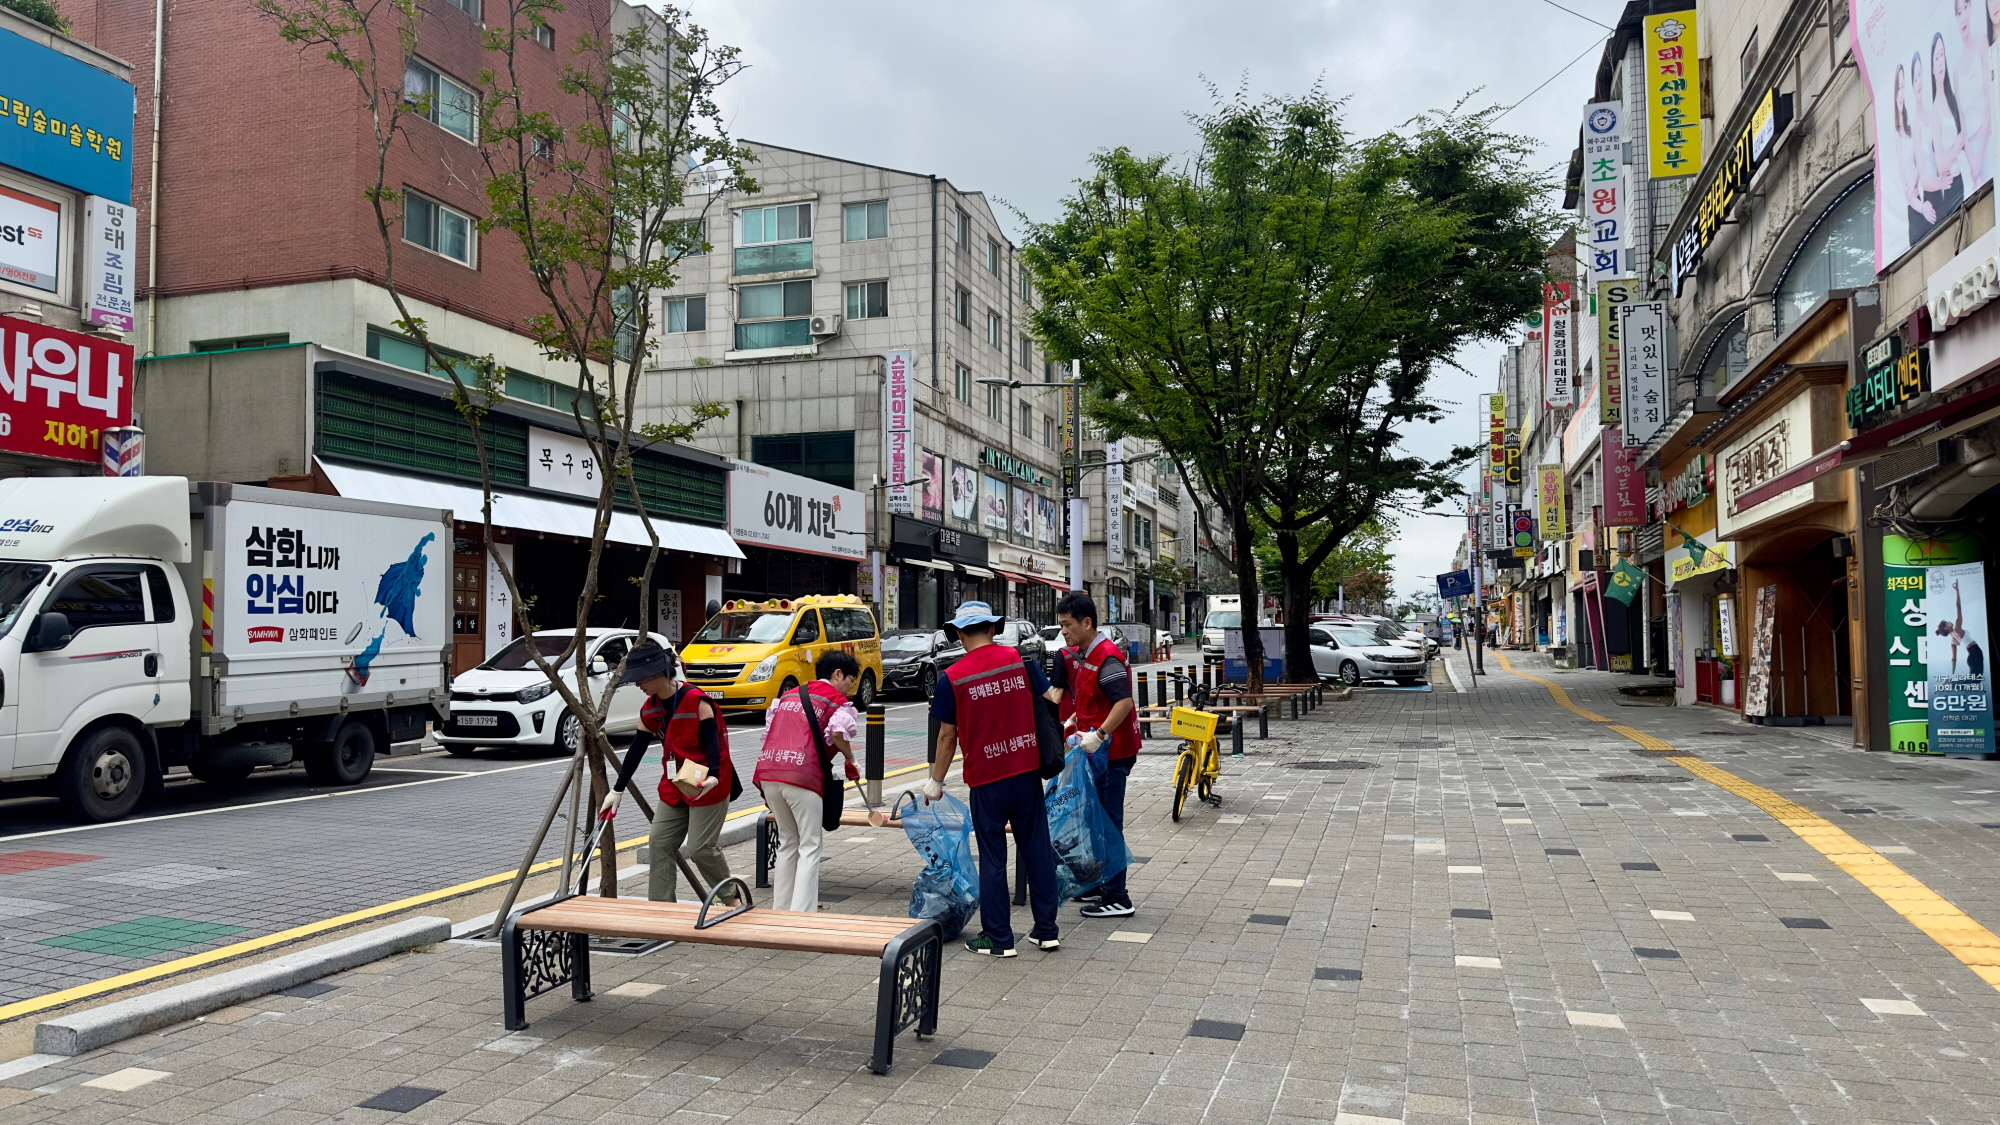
[{"x": 973, "y": 613}]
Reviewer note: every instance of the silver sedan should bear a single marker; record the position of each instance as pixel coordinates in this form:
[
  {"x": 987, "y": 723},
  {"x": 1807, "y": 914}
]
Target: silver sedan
[{"x": 1353, "y": 653}]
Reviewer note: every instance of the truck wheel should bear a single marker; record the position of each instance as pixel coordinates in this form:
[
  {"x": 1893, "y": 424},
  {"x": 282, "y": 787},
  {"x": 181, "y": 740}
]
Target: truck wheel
[
  {"x": 219, "y": 775},
  {"x": 345, "y": 760},
  {"x": 102, "y": 776}
]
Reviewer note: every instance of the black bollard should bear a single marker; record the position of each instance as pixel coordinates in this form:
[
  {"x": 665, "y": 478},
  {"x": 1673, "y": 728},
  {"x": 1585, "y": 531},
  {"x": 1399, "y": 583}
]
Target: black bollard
[{"x": 875, "y": 751}]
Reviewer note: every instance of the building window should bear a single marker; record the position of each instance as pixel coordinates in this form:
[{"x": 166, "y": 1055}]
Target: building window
[
  {"x": 962, "y": 308},
  {"x": 687, "y": 238},
  {"x": 544, "y": 34},
  {"x": 1747, "y": 63},
  {"x": 1027, "y": 289},
  {"x": 962, "y": 379},
  {"x": 238, "y": 343},
  {"x": 1027, "y": 353},
  {"x": 962, "y": 230},
  {"x": 687, "y": 314},
  {"x": 867, "y": 220},
  {"x": 825, "y": 456},
  {"x": 1049, "y": 432},
  {"x": 996, "y": 404},
  {"x": 1049, "y": 371},
  {"x": 993, "y": 257},
  {"x": 994, "y": 331},
  {"x": 1727, "y": 359},
  {"x": 764, "y": 305},
  {"x": 1838, "y": 253},
  {"x": 448, "y": 104},
  {"x": 542, "y": 148},
  {"x": 437, "y": 228},
  {"x": 785, "y": 223},
  {"x": 1027, "y": 420},
  {"x": 867, "y": 300}
]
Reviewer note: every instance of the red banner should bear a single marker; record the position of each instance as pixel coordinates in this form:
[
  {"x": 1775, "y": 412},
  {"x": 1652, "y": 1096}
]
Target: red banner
[
  {"x": 1624, "y": 482},
  {"x": 60, "y": 390}
]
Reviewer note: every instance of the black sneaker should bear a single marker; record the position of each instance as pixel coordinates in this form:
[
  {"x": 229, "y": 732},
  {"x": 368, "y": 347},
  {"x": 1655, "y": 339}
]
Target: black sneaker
[
  {"x": 984, "y": 945},
  {"x": 1109, "y": 910},
  {"x": 1092, "y": 897}
]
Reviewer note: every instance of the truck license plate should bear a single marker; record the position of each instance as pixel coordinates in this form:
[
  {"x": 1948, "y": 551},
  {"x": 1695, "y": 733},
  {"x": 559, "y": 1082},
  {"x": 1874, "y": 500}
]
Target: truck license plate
[{"x": 478, "y": 720}]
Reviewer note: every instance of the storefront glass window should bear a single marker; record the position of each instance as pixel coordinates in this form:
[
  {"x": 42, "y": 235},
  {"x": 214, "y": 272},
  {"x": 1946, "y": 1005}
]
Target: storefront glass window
[
  {"x": 1728, "y": 357},
  {"x": 1838, "y": 254}
]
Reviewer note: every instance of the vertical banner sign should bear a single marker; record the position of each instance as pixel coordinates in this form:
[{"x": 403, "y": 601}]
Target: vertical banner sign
[
  {"x": 1757, "y": 684},
  {"x": 107, "y": 263},
  {"x": 1611, "y": 297},
  {"x": 1624, "y": 483},
  {"x": 1549, "y": 501},
  {"x": 1496, "y": 435},
  {"x": 1558, "y": 353},
  {"x": 1673, "y": 95},
  {"x": 1514, "y": 463},
  {"x": 896, "y": 419},
  {"x": 1642, "y": 356},
  {"x": 1960, "y": 687},
  {"x": 1114, "y": 503},
  {"x": 1071, "y": 421},
  {"x": 1604, "y": 190}
]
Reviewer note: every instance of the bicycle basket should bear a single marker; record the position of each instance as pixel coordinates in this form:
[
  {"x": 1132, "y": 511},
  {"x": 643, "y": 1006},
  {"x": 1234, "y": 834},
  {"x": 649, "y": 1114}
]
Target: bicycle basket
[{"x": 1196, "y": 726}]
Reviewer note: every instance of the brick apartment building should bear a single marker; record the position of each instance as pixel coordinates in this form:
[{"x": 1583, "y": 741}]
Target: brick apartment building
[{"x": 266, "y": 335}]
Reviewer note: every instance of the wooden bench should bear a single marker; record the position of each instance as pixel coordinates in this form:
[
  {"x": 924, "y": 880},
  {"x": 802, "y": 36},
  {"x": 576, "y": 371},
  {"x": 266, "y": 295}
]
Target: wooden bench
[
  {"x": 545, "y": 947},
  {"x": 767, "y": 848}
]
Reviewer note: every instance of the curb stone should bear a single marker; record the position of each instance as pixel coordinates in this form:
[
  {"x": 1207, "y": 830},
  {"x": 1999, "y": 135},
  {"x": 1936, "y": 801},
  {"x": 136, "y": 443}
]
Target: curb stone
[{"x": 77, "y": 1032}]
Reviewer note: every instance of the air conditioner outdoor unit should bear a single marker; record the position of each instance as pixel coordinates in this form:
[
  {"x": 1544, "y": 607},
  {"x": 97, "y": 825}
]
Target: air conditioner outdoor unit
[{"x": 825, "y": 325}]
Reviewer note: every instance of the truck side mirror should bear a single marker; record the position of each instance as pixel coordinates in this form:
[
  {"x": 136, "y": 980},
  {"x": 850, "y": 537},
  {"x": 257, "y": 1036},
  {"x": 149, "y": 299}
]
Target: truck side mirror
[{"x": 52, "y": 631}]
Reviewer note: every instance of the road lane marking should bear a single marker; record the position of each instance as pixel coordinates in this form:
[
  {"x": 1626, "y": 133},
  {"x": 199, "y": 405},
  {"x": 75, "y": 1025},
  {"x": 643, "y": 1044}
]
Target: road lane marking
[
  {"x": 1957, "y": 932},
  {"x": 1555, "y": 689}
]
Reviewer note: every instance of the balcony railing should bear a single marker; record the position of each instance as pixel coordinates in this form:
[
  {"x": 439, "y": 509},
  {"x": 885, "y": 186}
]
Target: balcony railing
[{"x": 782, "y": 257}]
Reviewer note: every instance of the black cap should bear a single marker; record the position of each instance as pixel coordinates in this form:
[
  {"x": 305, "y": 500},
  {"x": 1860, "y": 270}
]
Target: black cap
[{"x": 646, "y": 660}]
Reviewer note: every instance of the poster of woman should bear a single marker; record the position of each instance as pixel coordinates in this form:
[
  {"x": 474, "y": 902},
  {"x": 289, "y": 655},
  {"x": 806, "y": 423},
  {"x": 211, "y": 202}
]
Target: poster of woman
[
  {"x": 1049, "y": 523},
  {"x": 995, "y": 506},
  {"x": 964, "y": 493},
  {"x": 1024, "y": 515},
  {"x": 1928, "y": 67},
  {"x": 932, "y": 470},
  {"x": 1960, "y": 689}
]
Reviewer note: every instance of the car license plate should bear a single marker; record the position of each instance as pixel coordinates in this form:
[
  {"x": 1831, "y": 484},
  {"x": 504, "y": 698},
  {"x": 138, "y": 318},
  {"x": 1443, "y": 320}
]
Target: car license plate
[{"x": 477, "y": 720}]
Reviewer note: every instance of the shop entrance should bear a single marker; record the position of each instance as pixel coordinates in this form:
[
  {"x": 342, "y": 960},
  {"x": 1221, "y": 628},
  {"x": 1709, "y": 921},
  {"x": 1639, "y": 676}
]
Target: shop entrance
[{"x": 1810, "y": 657}]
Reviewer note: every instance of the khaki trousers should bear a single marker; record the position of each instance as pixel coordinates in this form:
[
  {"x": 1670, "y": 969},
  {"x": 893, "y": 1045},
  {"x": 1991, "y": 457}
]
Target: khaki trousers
[{"x": 691, "y": 830}]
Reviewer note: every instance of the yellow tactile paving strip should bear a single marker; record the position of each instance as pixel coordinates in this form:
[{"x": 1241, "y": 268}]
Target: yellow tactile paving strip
[{"x": 1960, "y": 935}]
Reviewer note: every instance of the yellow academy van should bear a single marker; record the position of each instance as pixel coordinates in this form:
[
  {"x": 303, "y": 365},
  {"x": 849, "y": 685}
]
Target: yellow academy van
[{"x": 752, "y": 652}]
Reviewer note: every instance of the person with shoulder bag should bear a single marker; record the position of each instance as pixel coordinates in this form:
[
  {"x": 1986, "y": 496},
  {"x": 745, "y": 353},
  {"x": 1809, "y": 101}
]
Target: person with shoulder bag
[
  {"x": 987, "y": 706},
  {"x": 699, "y": 779},
  {"x": 794, "y": 772}
]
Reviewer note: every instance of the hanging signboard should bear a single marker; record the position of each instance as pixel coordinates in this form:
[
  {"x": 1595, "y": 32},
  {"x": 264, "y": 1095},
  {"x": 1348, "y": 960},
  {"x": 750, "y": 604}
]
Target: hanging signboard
[
  {"x": 1892, "y": 375},
  {"x": 1960, "y": 688},
  {"x": 1624, "y": 483},
  {"x": 1642, "y": 343},
  {"x": 899, "y": 373},
  {"x": 1522, "y": 532},
  {"x": 1496, "y": 434},
  {"x": 1604, "y": 238},
  {"x": 1611, "y": 296},
  {"x": 1114, "y": 503},
  {"x": 1558, "y": 352},
  {"x": 1730, "y": 182},
  {"x": 1673, "y": 95},
  {"x": 1549, "y": 501}
]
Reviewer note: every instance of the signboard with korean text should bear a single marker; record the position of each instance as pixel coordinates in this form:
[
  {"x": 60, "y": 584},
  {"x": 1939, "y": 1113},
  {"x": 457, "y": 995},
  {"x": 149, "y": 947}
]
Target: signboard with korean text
[
  {"x": 899, "y": 373},
  {"x": 109, "y": 241},
  {"x": 1611, "y": 296},
  {"x": 562, "y": 463},
  {"x": 1910, "y": 573},
  {"x": 498, "y": 609},
  {"x": 1673, "y": 95},
  {"x": 1691, "y": 485},
  {"x": 1681, "y": 565},
  {"x": 1734, "y": 167},
  {"x": 1624, "y": 483},
  {"x": 1772, "y": 447},
  {"x": 1549, "y": 501},
  {"x": 65, "y": 120},
  {"x": 1891, "y": 376},
  {"x": 1961, "y": 686},
  {"x": 1558, "y": 350},
  {"x": 1071, "y": 449},
  {"x": 1603, "y": 249},
  {"x": 60, "y": 390},
  {"x": 772, "y": 508},
  {"x": 667, "y": 615},
  {"x": 1114, "y": 503},
  {"x": 1757, "y": 681},
  {"x": 1642, "y": 355},
  {"x": 31, "y": 240},
  {"x": 1512, "y": 476},
  {"x": 1496, "y": 434}
]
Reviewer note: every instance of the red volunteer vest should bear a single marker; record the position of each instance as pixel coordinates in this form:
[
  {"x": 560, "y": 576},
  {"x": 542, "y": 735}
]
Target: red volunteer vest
[
  {"x": 1091, "y": 705},
  {"x": 682, "y": 741},
  {"x": 996, "y": 715},
  {"x": 789, "y": 755}
]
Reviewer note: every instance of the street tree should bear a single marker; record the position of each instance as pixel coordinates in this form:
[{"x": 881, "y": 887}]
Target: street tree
[
  {"x": 1362, "y": 564},
  {"x": 588, "y": 180}
]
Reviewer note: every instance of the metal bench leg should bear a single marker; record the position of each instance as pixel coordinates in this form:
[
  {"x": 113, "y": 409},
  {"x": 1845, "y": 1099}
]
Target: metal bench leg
[
  {"x": 1263, "y": 720},
  {"x": 912, "y": 964},
  {"x": 536, "y": 961},
  {"x": 513, "y": 997},
  {"x": 766, "y": 849},
  {"x": 579, "y": 977}
]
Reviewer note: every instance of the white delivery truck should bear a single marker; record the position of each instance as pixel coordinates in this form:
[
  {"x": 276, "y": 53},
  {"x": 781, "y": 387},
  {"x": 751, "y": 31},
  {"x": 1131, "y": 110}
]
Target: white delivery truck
[{"x": 150, "y": 622}]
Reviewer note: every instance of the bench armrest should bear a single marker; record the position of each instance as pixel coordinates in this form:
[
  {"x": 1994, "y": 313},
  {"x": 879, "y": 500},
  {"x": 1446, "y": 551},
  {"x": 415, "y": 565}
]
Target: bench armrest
[{"x": 702, "y": 920}]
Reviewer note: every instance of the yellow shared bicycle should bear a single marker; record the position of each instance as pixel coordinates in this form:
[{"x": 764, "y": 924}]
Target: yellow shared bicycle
[{"x": 1200, "y": 761}]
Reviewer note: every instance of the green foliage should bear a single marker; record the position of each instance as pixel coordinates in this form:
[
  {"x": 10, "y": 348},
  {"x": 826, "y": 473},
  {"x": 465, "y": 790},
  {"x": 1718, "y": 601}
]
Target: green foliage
[
  {"x": 43, "y": 12},
  {"x": 1363, "y": 562}
]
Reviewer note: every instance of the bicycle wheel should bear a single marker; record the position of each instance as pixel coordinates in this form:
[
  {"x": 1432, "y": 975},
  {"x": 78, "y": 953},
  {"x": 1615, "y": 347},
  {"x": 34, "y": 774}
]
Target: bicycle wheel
[
  {"x": 1205, "y": 780},
  {"x": 1183, "y": 779}
]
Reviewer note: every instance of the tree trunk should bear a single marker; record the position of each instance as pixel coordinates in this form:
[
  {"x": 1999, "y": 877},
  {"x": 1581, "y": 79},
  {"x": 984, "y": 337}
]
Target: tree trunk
[
  {"x": 1246, "y": 589},
  {"x": 1297, "y": 578}
]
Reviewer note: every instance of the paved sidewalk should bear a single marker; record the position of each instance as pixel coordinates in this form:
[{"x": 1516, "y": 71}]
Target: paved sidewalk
[{"x": 1417, "y": 907}]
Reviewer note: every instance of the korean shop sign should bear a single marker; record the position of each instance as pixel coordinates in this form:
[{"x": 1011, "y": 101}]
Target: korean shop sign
[
  {"x": 1558, "y": 354},
  {"x": 64, "y": 120},
  {"x": 1642, "y": 361},
  {"x": 773, "y": 508},
  {"x": 562, "y": 463},
  {"x": 1496, "y": 435},
  {"x": 1604, "y": 191},
  {"x": 1611, "y": 296},
  {"x": 1732, "y": 178},
  {"x": 1549, "y": 501},
  {"x": 1908, "y": 570},
  {"x": 1892, "y": 375},
  {"x": 1673, "y": 95},
  {"x": 1692, "y": 485},
  {"x": 59, "y": 391}
]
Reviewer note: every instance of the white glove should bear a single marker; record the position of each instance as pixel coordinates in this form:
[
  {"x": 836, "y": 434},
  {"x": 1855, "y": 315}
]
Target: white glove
[
  {"x": 1091, "y": 741},
  {"x": 933, "y": 789},
  {"x": 710, "y": 782},
  {"x": 609, "y": 809}
]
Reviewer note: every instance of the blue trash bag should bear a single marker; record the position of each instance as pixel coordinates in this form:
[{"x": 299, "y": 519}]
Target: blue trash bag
[
  {"x": 947, "y": 889},
  {"x": 1089, "y": 848}
]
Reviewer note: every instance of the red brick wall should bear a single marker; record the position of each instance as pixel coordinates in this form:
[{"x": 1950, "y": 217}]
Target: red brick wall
[{"x": 267, "y": 150}]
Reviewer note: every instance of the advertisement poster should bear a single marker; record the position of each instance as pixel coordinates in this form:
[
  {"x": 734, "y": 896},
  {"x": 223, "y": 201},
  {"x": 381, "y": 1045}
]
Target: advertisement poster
[
  {"x": 1024, "y": 515},
  {"x": 1048, "y": 522},
  {"x": 964, "y": 493},
  {"x": 1926, "y": 64},
  {"x": 993, "y": 507},
  {"x": 1960, "y": 688},
  {"x": 60, "y": 390},
  {"x": 1909, "y": 569},
  {"x": 1611, "y": 295},
  {"x": 1673, "y": 94},
  {"x": 30, "y": 240},
  {"x": 1643, "y": 358},
  {"x": 1757, "y": 683},
  {"x": 932, "y": 470},
  {"x": 1559, "y": 353}
]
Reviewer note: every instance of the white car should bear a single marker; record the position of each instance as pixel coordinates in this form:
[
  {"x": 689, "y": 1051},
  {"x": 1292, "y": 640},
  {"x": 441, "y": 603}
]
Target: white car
[
  {"x": 507, "y": 701},
  {"x": 1352, "y": 652}
]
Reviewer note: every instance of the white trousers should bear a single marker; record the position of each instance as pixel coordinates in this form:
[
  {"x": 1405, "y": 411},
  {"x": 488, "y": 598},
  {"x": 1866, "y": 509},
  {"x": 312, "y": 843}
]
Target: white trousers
[{"x": 795, "y": 871}]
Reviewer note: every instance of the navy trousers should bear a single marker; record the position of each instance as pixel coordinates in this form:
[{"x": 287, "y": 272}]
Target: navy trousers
[
  {"x": 1111, "y": 778},
  {"x": 1017, "y": 802}
]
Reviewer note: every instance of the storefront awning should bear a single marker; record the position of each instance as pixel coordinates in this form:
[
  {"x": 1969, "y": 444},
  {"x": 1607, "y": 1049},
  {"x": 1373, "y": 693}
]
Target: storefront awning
[
  {"x": 525, "y": 513},
  {"x": 1051, "y": 583},
  {"x": 974, "y": 571},
  {"x": 1864, "y": 447},
  {"x": 928, "y": 565},
  {"x": 1012, "y": 577}
]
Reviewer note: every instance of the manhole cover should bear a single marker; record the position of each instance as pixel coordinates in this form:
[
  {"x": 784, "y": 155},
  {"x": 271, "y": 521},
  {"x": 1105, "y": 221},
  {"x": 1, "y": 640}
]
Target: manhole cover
[
  {"x": 1333, "y": 765},
  {"x": 1648, "y": 778}
]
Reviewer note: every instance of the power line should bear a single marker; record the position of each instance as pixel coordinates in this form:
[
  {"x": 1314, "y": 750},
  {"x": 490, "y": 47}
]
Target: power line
[
  {"x": 1578, "y": 15},
  {"x": 1549, "y": 79}
]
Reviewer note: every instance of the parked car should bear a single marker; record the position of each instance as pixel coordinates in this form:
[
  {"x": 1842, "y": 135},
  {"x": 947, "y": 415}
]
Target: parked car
[
  {"x": 1021, "y": 636},
  {"x": 909, "y": 659},
  {"x": 753, "y": 652},
  {"x": 507, "y": 701},
  {"x": 1352, "y": 653}
]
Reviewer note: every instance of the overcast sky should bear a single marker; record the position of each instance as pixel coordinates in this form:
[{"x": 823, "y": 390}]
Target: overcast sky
[{"x": 1011, "y": 97}]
